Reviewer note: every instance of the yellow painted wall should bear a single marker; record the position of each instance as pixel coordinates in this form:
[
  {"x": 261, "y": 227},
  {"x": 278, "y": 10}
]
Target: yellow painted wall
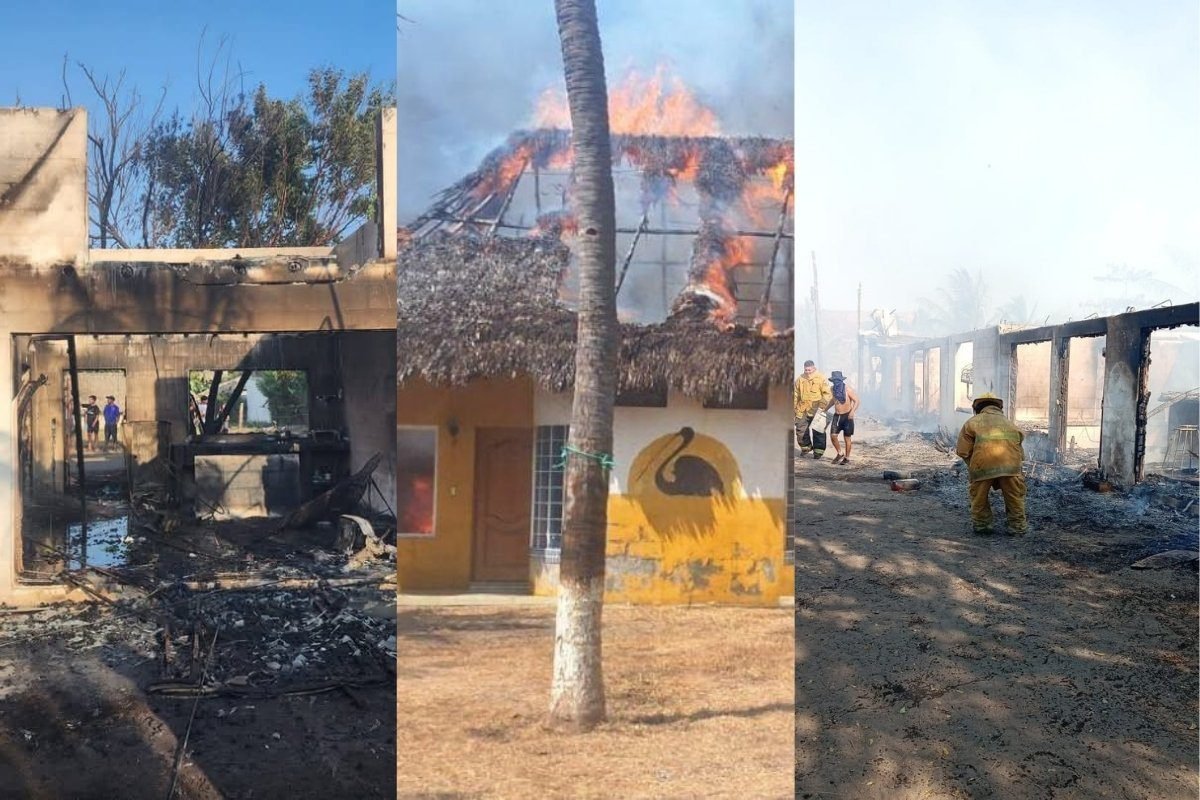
[
  {"x": 668, "y": 549},
  {"x": 736, "y": 558},
  {"x": 442, "y": 562},
  {"x": 662, "y": 549}
]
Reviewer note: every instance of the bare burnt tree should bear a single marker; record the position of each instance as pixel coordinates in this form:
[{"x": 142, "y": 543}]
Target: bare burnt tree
[
  {"x": 577, "y": 691},
  {"x": 116, "y": 140}
]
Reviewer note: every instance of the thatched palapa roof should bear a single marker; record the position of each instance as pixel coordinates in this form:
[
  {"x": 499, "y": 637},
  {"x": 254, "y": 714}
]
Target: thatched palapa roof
[{"x": 474, "y": 307}]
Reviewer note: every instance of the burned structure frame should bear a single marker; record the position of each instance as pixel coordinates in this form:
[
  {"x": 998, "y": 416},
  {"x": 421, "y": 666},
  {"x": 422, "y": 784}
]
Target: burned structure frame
[
  {"x": 1126, "y": 364},
  {"x": 160, "y": 313}
]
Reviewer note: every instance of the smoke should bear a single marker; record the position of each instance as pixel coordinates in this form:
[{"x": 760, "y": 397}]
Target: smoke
[
  {"x": 953, "y": 135},
  {"x": 470, "y": 73}
]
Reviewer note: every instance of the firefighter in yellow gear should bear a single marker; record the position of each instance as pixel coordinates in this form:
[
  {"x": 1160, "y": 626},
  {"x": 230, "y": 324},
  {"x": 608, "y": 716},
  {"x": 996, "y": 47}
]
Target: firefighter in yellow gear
[
  {"x": 991, "y": 446},
  {"x": 812, "y": 394}
]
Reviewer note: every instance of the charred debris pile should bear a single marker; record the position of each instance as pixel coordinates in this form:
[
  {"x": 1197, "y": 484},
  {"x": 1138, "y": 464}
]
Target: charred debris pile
[
  {"x": 252, "y": 608},
  {"x": 1161, "y": 511}
]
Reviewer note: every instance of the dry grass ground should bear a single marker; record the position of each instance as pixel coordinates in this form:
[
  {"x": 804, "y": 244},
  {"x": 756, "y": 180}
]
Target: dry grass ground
[{"x": 700, "y": 704}]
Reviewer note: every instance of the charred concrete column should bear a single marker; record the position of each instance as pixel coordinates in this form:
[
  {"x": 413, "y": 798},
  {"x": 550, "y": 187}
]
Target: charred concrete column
[
  {"x": 887, "y": 376},
  {"x": 989, "y": 371},
  {"x": 387, "y": 180},
  {"x": 947, "y": 383},
  {"x": 368, "y": 373},
  {"x": 907, "y": 382},
  {"x": 1060, "y": 369},
  {"x": 43, "y": 185},
  {"x": 9, "y": 507},
  {"x": 1125, "y": 347},
  {"x": 43, "y": 221}
]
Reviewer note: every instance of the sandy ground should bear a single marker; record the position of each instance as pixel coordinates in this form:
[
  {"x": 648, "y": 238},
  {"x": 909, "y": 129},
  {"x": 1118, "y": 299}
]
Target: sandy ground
[
  {"x": 931, "y": 663},
  {"x": 699, "y": 700}
]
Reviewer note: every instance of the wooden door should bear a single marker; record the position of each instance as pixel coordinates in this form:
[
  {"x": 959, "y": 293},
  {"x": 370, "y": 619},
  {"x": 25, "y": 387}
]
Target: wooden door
[{"x": 503, "y": 485}]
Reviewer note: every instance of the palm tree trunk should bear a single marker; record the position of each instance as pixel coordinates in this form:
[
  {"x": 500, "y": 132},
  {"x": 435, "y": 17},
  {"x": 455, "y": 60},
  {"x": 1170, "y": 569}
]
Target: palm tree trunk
[{"x": 577, "y": 692}]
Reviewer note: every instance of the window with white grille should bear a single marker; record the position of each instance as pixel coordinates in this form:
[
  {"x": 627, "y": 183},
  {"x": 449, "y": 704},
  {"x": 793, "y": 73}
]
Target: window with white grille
[{"x": 546, "y": 534}]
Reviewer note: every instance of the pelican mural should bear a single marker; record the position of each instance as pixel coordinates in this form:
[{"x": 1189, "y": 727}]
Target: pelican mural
[
  {"x": 691, "y": 475},
  {"x": 684, "y": 467}
]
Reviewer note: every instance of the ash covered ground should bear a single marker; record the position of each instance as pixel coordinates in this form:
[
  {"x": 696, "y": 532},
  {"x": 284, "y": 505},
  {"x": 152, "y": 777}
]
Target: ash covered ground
[
  {"x": 934, "y": 663},
  {"x": 231, "y": 658}
]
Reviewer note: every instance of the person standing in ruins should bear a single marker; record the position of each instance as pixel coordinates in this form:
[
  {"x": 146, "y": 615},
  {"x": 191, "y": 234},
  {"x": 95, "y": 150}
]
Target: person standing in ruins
[
  {"x": 91, "y": 416},
  {"x": 112, "y": 415},
  {"x": 845, "y": 403},
  {"x": 991, "y": 447},
  {"x": 203, "y": 407},
  {"x": 811, "y": 396}
]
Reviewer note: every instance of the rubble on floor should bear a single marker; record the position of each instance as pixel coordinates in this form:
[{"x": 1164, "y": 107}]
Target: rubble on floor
[
  {"x": 1162, "y": 509},
  {"x": 239, "y": 608}
]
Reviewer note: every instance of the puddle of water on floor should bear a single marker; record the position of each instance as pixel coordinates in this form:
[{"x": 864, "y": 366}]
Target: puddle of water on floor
[{"x": 106, "y": 545}]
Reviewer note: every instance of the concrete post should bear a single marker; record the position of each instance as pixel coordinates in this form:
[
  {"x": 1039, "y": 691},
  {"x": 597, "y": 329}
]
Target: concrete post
[
  {"x": 907, "y": 383},
  {"x": 1124, "y": 349},
  {"x": 9, "y": 508},
  {"x": 1060, "y": 369},
  {"x": 387, "y": 182},
  {"x": 43, "y": 185},
  {"x": 947, "y": 383}
]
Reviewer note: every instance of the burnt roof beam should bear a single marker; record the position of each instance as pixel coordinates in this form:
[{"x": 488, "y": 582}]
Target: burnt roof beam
[
  {"x": 765, "y": 302},
  {"x": 637, "y": 235}
]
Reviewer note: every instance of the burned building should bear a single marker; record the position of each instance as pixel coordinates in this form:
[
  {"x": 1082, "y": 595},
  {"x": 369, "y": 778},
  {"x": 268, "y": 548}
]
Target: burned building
[
  {"x": 698, "y": 503},
  {"x": 1083, "y": 388},
  {"x": 157, "y": 328}
]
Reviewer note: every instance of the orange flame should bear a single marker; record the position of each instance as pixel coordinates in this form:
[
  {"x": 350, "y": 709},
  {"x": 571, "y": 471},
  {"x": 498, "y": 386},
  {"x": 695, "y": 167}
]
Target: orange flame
[
  {"x": 561, "y": 159},
  {"x": 415, "y": 500},
  {"x": 564, "y": 226},
  {"x": 736, "y": 251},
  {"x": 657, "y": 104},
  {"x": 661, "y": 105},
  {"x": 779, "y": 174},
  {"x": 690, "y": 167},
  {"x": 763, "y": 322},
  {"x": 758, "y": 197},
  {"x": 510, "y": 169}
]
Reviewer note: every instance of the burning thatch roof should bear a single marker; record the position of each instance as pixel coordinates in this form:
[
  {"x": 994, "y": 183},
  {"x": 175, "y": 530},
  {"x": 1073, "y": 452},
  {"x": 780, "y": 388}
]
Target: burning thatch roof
[
  {"x": 732, "y": 177},
  {"x": 720, "y": 166},
  {"x": 473, "y": 307}
]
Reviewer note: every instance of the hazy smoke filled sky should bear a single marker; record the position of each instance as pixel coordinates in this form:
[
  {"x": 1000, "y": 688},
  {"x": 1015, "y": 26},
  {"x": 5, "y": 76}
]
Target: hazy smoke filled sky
[
  {"x": 1043, "y": 143},
  {"x": 469, "y": 72}
]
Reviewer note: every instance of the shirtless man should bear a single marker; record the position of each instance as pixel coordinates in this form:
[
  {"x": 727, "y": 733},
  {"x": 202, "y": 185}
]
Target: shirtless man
[{"x": 845, "y": 403}]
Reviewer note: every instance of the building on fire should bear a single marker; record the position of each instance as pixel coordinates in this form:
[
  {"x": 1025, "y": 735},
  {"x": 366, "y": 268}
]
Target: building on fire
[{"x": 699, "y": 495}]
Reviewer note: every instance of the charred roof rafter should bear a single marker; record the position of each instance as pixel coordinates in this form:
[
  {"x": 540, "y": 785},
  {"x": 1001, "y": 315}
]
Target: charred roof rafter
[{"x": 731, "y": 175}]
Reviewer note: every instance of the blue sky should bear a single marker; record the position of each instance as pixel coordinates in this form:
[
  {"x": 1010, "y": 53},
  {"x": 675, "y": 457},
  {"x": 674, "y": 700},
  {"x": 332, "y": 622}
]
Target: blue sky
[
  {"x": 156, "y": 42},
  {"x": 1043, "y": 143}
]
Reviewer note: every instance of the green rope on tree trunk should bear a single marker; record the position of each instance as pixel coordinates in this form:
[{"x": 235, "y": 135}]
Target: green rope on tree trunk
[{"x": 605, "y": 459}]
